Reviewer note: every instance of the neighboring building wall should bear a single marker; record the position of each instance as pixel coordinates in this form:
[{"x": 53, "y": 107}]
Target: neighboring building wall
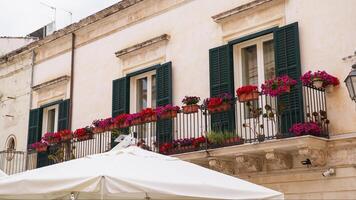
[
  {"x": 15, "y": 80},
  {"x": 8, "y": 44}
]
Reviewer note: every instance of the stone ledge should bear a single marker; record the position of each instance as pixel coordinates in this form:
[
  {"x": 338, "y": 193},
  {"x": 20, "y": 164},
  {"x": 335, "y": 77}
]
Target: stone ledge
[
  {"x": 142, "y": 45},
  {"x": 46, "y": 84},
  {"x": 221, "y": 16}
]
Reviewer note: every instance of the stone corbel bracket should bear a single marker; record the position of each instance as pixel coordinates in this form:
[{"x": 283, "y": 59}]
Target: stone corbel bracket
[
  {"x": 248, "y": 163},
  {"x": 278, "y": 160},
  {"x": 316, "y": 156},
  {"x": 220, "y": 165}
]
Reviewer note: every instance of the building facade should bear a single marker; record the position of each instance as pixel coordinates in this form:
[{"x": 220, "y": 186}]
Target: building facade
[{"x": 148, "y": 53}]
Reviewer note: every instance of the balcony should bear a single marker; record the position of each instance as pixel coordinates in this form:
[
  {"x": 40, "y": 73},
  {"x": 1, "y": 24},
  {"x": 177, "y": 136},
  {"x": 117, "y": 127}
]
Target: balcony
[{"x": 263, "y": 121}]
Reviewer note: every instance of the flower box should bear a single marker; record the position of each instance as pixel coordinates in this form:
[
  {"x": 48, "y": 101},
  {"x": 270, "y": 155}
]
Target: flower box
[
  {"x": 169, "y": 114},
  {"x": 190, "y": 109},
  {"x": 66, "y": 137},
  {"x": 251, "y": 96},
  {"x": 83, "y": 137},
  {"x": 148, "y": 119},
  {"x": 277, "y": 86},
  {"x": 136, "y": 121},
  {"x": 223, "y": 107},
  {"x": 98, "y": 130},
  {"x": 41, "y": 148}
]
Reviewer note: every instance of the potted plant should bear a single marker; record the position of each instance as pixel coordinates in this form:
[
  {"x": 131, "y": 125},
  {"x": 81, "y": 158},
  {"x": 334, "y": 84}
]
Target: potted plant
[
  {"x": 191, "y": 104},
  {"x": 277, "y": 86},
  {"x": 52, "y": 138},
  {"x": 120, "y": 121},
  {"x": 82, "y": 134},
  {"x": 247, "y": 93},
  {"x": 165, "y": 148},
  {"x": 216, "y": 139},
  {"x": 200, "y": 142},
  {"x": 102, "y": 125},
  {"x": 134, "y": 119},
  {"x": 320, "y": 79},
  {"x": 221, "y": 103},
  {"x": 148, "y": 115},
  {"x": 65, "y": 135},
  {"x": 40, "y": 146},
  {"x": 167, "y": 111},
  {"x": 307, "y": 128}
]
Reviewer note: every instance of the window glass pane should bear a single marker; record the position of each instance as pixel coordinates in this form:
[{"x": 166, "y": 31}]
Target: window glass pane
[
  {"x": 268, "y": 59},
  {"x": 51, "y": 118},
  {"x": 154, "y": 92},
  {"x": 141, "y": 93},
  {"x": 249, "y": 65}
]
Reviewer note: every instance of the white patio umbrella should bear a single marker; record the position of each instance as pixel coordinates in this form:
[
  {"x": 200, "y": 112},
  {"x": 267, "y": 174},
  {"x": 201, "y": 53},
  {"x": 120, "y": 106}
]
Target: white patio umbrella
[
  {"x": 130, "y": 173},
  {"x": 2, "y": 174}
]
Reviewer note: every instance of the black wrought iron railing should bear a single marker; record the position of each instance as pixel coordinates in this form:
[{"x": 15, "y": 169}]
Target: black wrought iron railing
[{"x": 245, "y": 122}]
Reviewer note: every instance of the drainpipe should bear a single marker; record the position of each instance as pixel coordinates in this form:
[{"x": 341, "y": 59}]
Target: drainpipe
[{"x": 71, "y": 83}]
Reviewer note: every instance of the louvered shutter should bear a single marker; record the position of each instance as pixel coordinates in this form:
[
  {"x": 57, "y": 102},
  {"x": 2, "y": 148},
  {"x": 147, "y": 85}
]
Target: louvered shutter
[
  {"x": 63, "y": 119},
  {"x": 120, "y": 96},
  {"x": 287, "y": 57},
  {"x": 164, "y": 128},
  {"x": 221, "y": 81},
  {"x": 35, "y": 126}
]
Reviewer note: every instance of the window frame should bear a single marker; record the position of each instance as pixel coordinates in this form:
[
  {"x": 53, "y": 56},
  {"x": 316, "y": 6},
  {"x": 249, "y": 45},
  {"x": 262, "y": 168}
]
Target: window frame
[
  {"x": 133, "y": 89},
  {"x": 237, "y": 57},
  {"x": 45, "y": 118}
]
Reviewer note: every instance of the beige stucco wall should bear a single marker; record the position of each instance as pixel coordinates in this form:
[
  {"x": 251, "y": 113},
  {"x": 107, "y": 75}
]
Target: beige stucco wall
[
  {"x": 15, "y": 83},
  {"x": 8, "y": 44}
]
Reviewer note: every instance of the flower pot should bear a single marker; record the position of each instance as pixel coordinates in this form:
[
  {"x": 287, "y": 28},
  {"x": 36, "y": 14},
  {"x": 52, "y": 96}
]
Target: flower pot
[
  {"x": 41, "y": 149},
  {"x": 149, "y": 119},
  {"x": 221, "y": 108},
  {"x": 66, "y": 137},
  {"x": 190, "y": 109},
  {"x": 318, "y": 83},
  {"x": 251, "y": 96},
  {"x": 169, "y": 115},
  {"x": 84, "y": 137},
  {"x": 98, "y": 130},
  {"x": 261, "y": 138},
  {"x": 136, "y": 121},
  {"x": 329, "y": 89},
  {"x": 287, "y": 88},
  {"x": 53, "y": 140}
]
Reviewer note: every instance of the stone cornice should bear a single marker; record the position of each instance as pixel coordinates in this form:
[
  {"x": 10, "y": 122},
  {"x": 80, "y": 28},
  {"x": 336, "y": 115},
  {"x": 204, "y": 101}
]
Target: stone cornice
[
  {"x": 253, "y": 4},
  {"x": 55, "y": 81},
  {"x": 164, "y": 37}
]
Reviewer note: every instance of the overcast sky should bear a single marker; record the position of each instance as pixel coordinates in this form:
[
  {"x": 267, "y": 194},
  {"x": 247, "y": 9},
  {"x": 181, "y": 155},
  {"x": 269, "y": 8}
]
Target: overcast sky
[{"x": 21, "y": 17}]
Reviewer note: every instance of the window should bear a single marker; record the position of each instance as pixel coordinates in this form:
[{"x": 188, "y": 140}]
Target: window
[
  {"x": 50, "y": 119},
  {"x": 143, "y": 91},
  {"x": 255, "y": 61}
]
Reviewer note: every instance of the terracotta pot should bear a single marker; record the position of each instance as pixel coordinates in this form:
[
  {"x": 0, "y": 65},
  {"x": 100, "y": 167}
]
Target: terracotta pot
[
  {"x": 190, "y": 109},
  {"x": 136, "y": 121},
  {"x": 66, "y": 137},
  {"x": 84, "y": 137},
  {"x": 221, "y": 108},
  {"x": 149, "y": 119},
  {"x": 98, "y": 130},
  {"x": 318, "y": 83},
  {"x": 53, "y": 140},
  {"x": 169, "y": 115},
  {"x": 41, "y": 149},
  {"x": 251, "y": 96}
]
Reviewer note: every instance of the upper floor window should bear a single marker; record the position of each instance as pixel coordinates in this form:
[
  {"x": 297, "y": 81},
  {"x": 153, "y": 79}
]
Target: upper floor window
[
  {"x": 143, "y": 91},
  {"x": 255, "y": 61},
  {"x": 50, "y": 119}
]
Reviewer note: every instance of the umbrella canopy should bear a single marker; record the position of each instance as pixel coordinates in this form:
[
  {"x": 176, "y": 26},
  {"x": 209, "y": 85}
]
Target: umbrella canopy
[
  {"x": 2, "y": 174},
  {"x": 130, "y": 173}
]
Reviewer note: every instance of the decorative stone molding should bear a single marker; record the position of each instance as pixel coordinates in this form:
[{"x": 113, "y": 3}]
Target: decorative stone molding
[
  {"x": 141, "y": 45},
  {"x": 278, "y": 160},
  {"x": 59, "y": 80},
  {"x": 239, "y": 9},
  {"x": 316, "y": 156},
  {"x": 224, "y": 166},
  {"x": 248, "y": 163}
]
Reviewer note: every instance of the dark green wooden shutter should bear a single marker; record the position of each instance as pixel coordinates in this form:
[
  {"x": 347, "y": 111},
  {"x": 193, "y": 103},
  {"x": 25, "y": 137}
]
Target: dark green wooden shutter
[
  {"x": 120, "y": 96},
  {"x": 164, "y": 96},
  {"x": 63, "y": 119},
  {"x": 287, "y": 57},
  {"x": 35, "y": 126},
  {"x": 221, "y": 81}
]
